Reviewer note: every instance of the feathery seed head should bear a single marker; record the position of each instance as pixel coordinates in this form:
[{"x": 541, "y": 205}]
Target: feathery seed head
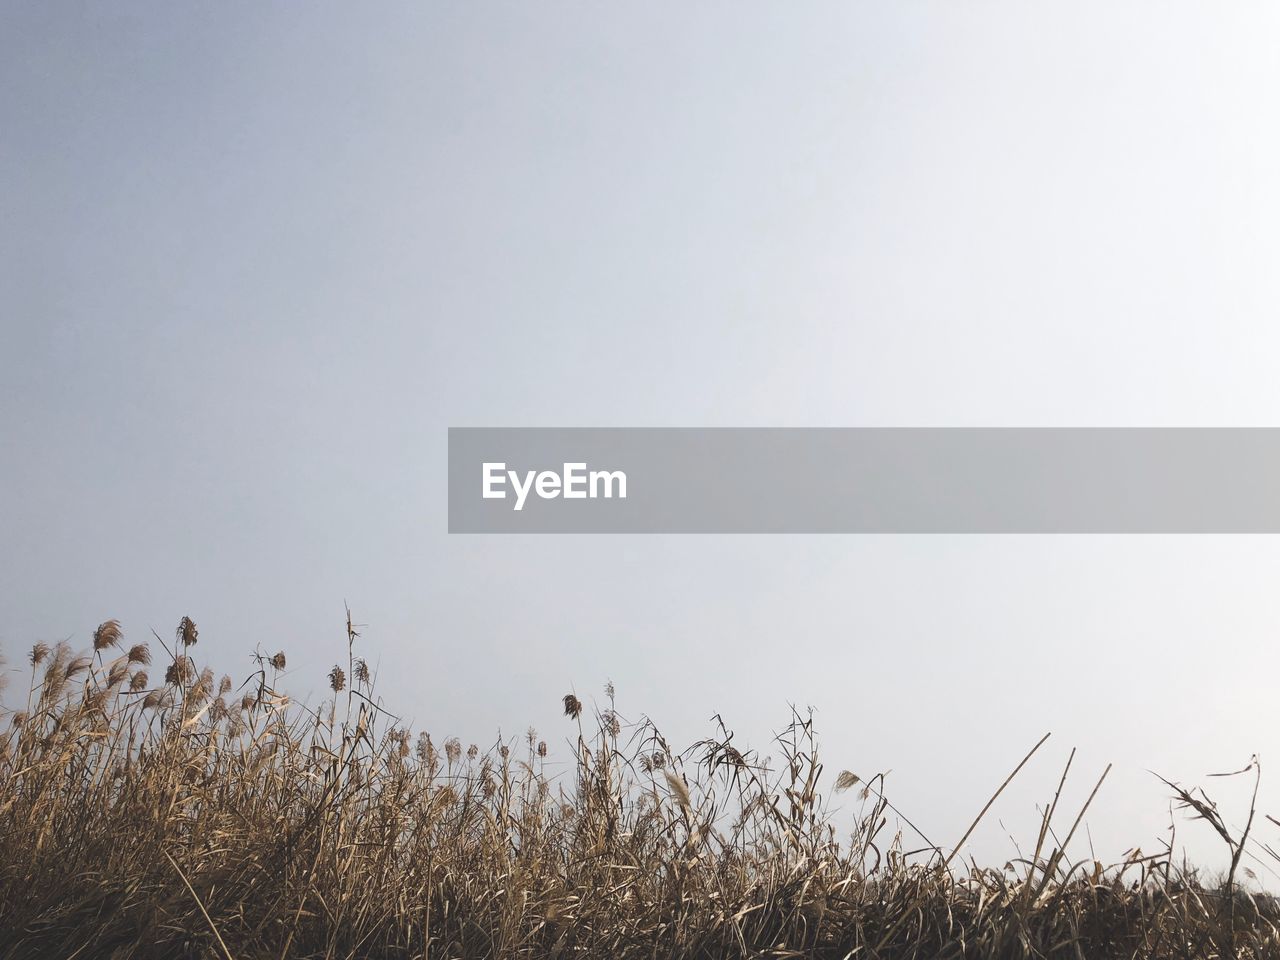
[
  {"x": 426, "y": 750},
  {"x": 181, "y": 671},
  {"x": 187, "y": 634},
  {"x": 337, "y": 679},
  {"x": 140, "y": 653},
  {"x": 846, "y": 780},
  {"x": 611, "y": 723},
  {"x": 202, "y": 690},
  {"x": 58, "y": 662},
  {"x": 38, "y": 654},
  {"x": 678, "y": 789},
  {"x": 157, "y": 700},
  {"x": 119, "y": 670},
  {"x": 108, "y": 634},
  {"x": 572, "y": 706}
]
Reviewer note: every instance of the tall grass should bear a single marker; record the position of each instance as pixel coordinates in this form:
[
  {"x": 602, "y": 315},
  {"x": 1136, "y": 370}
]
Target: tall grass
[{"x": 174, "y": 816}]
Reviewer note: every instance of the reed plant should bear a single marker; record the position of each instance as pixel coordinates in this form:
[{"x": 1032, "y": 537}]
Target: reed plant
[{"x": 149, "y": 808}]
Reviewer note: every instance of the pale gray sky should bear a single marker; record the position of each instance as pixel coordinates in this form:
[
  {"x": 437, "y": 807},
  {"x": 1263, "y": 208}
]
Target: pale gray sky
[{"x": 255, "y": 259}]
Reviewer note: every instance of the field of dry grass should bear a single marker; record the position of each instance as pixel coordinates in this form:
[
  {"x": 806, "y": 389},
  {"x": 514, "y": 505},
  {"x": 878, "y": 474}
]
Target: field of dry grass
[{"x": 149, "y": 809}]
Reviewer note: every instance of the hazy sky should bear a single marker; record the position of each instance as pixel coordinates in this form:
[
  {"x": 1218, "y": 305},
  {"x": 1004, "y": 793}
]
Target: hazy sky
[{"x": 255, "y": 260}]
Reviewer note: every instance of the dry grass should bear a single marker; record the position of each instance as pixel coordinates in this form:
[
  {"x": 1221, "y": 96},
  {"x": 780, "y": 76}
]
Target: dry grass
[{"x": 185, "y": 818}]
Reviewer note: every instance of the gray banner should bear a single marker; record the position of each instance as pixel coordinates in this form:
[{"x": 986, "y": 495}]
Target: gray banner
[{"x": 890, "y": 480}]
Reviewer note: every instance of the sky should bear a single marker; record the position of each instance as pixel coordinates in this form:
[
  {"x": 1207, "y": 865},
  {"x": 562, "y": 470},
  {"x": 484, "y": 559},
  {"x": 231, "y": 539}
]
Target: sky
[{"x": 255, "y": 259}]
